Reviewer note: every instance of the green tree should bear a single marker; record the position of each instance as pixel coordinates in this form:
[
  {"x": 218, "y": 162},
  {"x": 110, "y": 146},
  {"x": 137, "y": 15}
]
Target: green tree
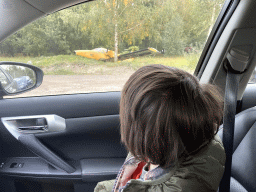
[
  {"x": 117, "y": 25},
  {"x": 173, "y": 37},
  {"x": 110, "y": 22}
]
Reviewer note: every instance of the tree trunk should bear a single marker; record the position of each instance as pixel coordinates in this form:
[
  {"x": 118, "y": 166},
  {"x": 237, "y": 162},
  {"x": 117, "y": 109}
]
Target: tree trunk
[
  {"x": 212, "y": 21},
  {"x": 116, "y": 35},
  {"x": 116, "y": 43}
]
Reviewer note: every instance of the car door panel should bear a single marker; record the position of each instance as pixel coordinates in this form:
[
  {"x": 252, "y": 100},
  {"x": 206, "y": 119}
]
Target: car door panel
[
  {"x": 66, "y": 106},
  {"x": 90, "y": 143},
  {"x": 88, "y": 135},
  {"x": 32, "y": 143}
]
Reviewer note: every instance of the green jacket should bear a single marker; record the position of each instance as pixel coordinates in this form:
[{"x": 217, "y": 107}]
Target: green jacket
[{"x": 199, "y": 172}]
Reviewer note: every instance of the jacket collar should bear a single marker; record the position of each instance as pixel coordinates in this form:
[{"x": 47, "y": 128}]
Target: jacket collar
[{"x": 151, "y": 175}]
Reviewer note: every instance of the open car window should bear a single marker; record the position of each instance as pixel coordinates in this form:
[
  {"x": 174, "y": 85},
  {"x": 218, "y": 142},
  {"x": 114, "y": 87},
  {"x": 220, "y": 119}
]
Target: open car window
[{"x": 96, "y": 46}]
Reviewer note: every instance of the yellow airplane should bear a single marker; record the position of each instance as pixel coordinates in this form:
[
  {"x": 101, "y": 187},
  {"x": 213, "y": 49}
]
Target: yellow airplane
[
  {"x": 108, "y": 55},
  {"x": 98, "y": 53}
]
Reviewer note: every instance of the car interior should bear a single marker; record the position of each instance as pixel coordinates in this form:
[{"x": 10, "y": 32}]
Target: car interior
[{"x": 88, "y": 149}]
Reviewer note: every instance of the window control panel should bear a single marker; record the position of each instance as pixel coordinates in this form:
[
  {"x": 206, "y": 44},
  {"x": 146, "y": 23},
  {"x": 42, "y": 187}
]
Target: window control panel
[
  {"x": 1, "y": 165},
  {"x": 16, "y": 165},
  {"x": 36, "y": 167}
]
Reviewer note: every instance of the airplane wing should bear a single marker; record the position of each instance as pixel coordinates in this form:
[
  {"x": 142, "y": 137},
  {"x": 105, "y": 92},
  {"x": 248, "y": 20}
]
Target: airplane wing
[{"x": 134, "y": 54}]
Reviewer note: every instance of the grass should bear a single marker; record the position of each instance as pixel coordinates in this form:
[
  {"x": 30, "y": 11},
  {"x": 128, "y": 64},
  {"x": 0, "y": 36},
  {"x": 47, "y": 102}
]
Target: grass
[
  {"x": 61, "y": 72},
  {"x": 48, "y": 61},
  {"x": 73, "y": 64},
  {"x": 178, "y": 62},
  {"x": 187, "y": 62}
]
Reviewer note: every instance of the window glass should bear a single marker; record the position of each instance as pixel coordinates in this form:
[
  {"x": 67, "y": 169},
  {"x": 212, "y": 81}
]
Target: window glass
[
  {"x": 253, "y": 77},
  {"x": 4, "y": 79},
  {"x": 96, "y": 46}
]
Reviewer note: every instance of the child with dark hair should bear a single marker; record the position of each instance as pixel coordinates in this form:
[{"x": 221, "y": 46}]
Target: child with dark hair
[{"x": 169, "y": 124}]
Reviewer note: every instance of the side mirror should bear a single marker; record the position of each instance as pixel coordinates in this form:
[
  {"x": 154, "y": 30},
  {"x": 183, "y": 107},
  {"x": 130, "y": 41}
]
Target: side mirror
[{"x": 16, "y": 78}]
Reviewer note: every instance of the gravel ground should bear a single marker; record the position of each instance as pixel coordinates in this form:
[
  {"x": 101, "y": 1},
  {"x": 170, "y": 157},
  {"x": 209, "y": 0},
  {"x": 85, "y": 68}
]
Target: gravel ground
[
  {"x": 93, "y": 79},
  {"x": 69, "y": 84}
]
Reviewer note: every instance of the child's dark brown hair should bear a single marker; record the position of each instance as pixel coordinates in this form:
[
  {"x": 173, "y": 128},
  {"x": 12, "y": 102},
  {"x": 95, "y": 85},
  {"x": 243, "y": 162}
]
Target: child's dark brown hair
[{"x": 165, "y": 112}]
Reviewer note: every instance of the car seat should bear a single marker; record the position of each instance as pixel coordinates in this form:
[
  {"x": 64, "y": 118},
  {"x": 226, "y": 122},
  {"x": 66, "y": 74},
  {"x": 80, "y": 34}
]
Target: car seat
[{"x": 243, "y": 175}]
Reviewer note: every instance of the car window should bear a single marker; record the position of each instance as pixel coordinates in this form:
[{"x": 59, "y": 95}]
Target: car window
[
  {"x": 253, "y": 77},
  {"x": 4, "y": 78},
  {"x": 96, "y": 46}
]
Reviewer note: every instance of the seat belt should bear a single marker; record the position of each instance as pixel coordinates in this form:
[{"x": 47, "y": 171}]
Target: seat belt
[
  {"x": 235, "y": 64},
  {"x": 230, "y": 101}
]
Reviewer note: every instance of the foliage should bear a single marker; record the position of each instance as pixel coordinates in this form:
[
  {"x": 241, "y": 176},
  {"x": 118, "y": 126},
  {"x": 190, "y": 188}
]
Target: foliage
[
  {"x": 117, "y": 25},
  {"x": 173, "y": 40}
]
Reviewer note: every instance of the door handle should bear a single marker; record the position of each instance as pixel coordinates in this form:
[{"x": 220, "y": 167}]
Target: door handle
[
  {"x": 33, "y": 128},
  {"x": 36, "y": 124}
]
